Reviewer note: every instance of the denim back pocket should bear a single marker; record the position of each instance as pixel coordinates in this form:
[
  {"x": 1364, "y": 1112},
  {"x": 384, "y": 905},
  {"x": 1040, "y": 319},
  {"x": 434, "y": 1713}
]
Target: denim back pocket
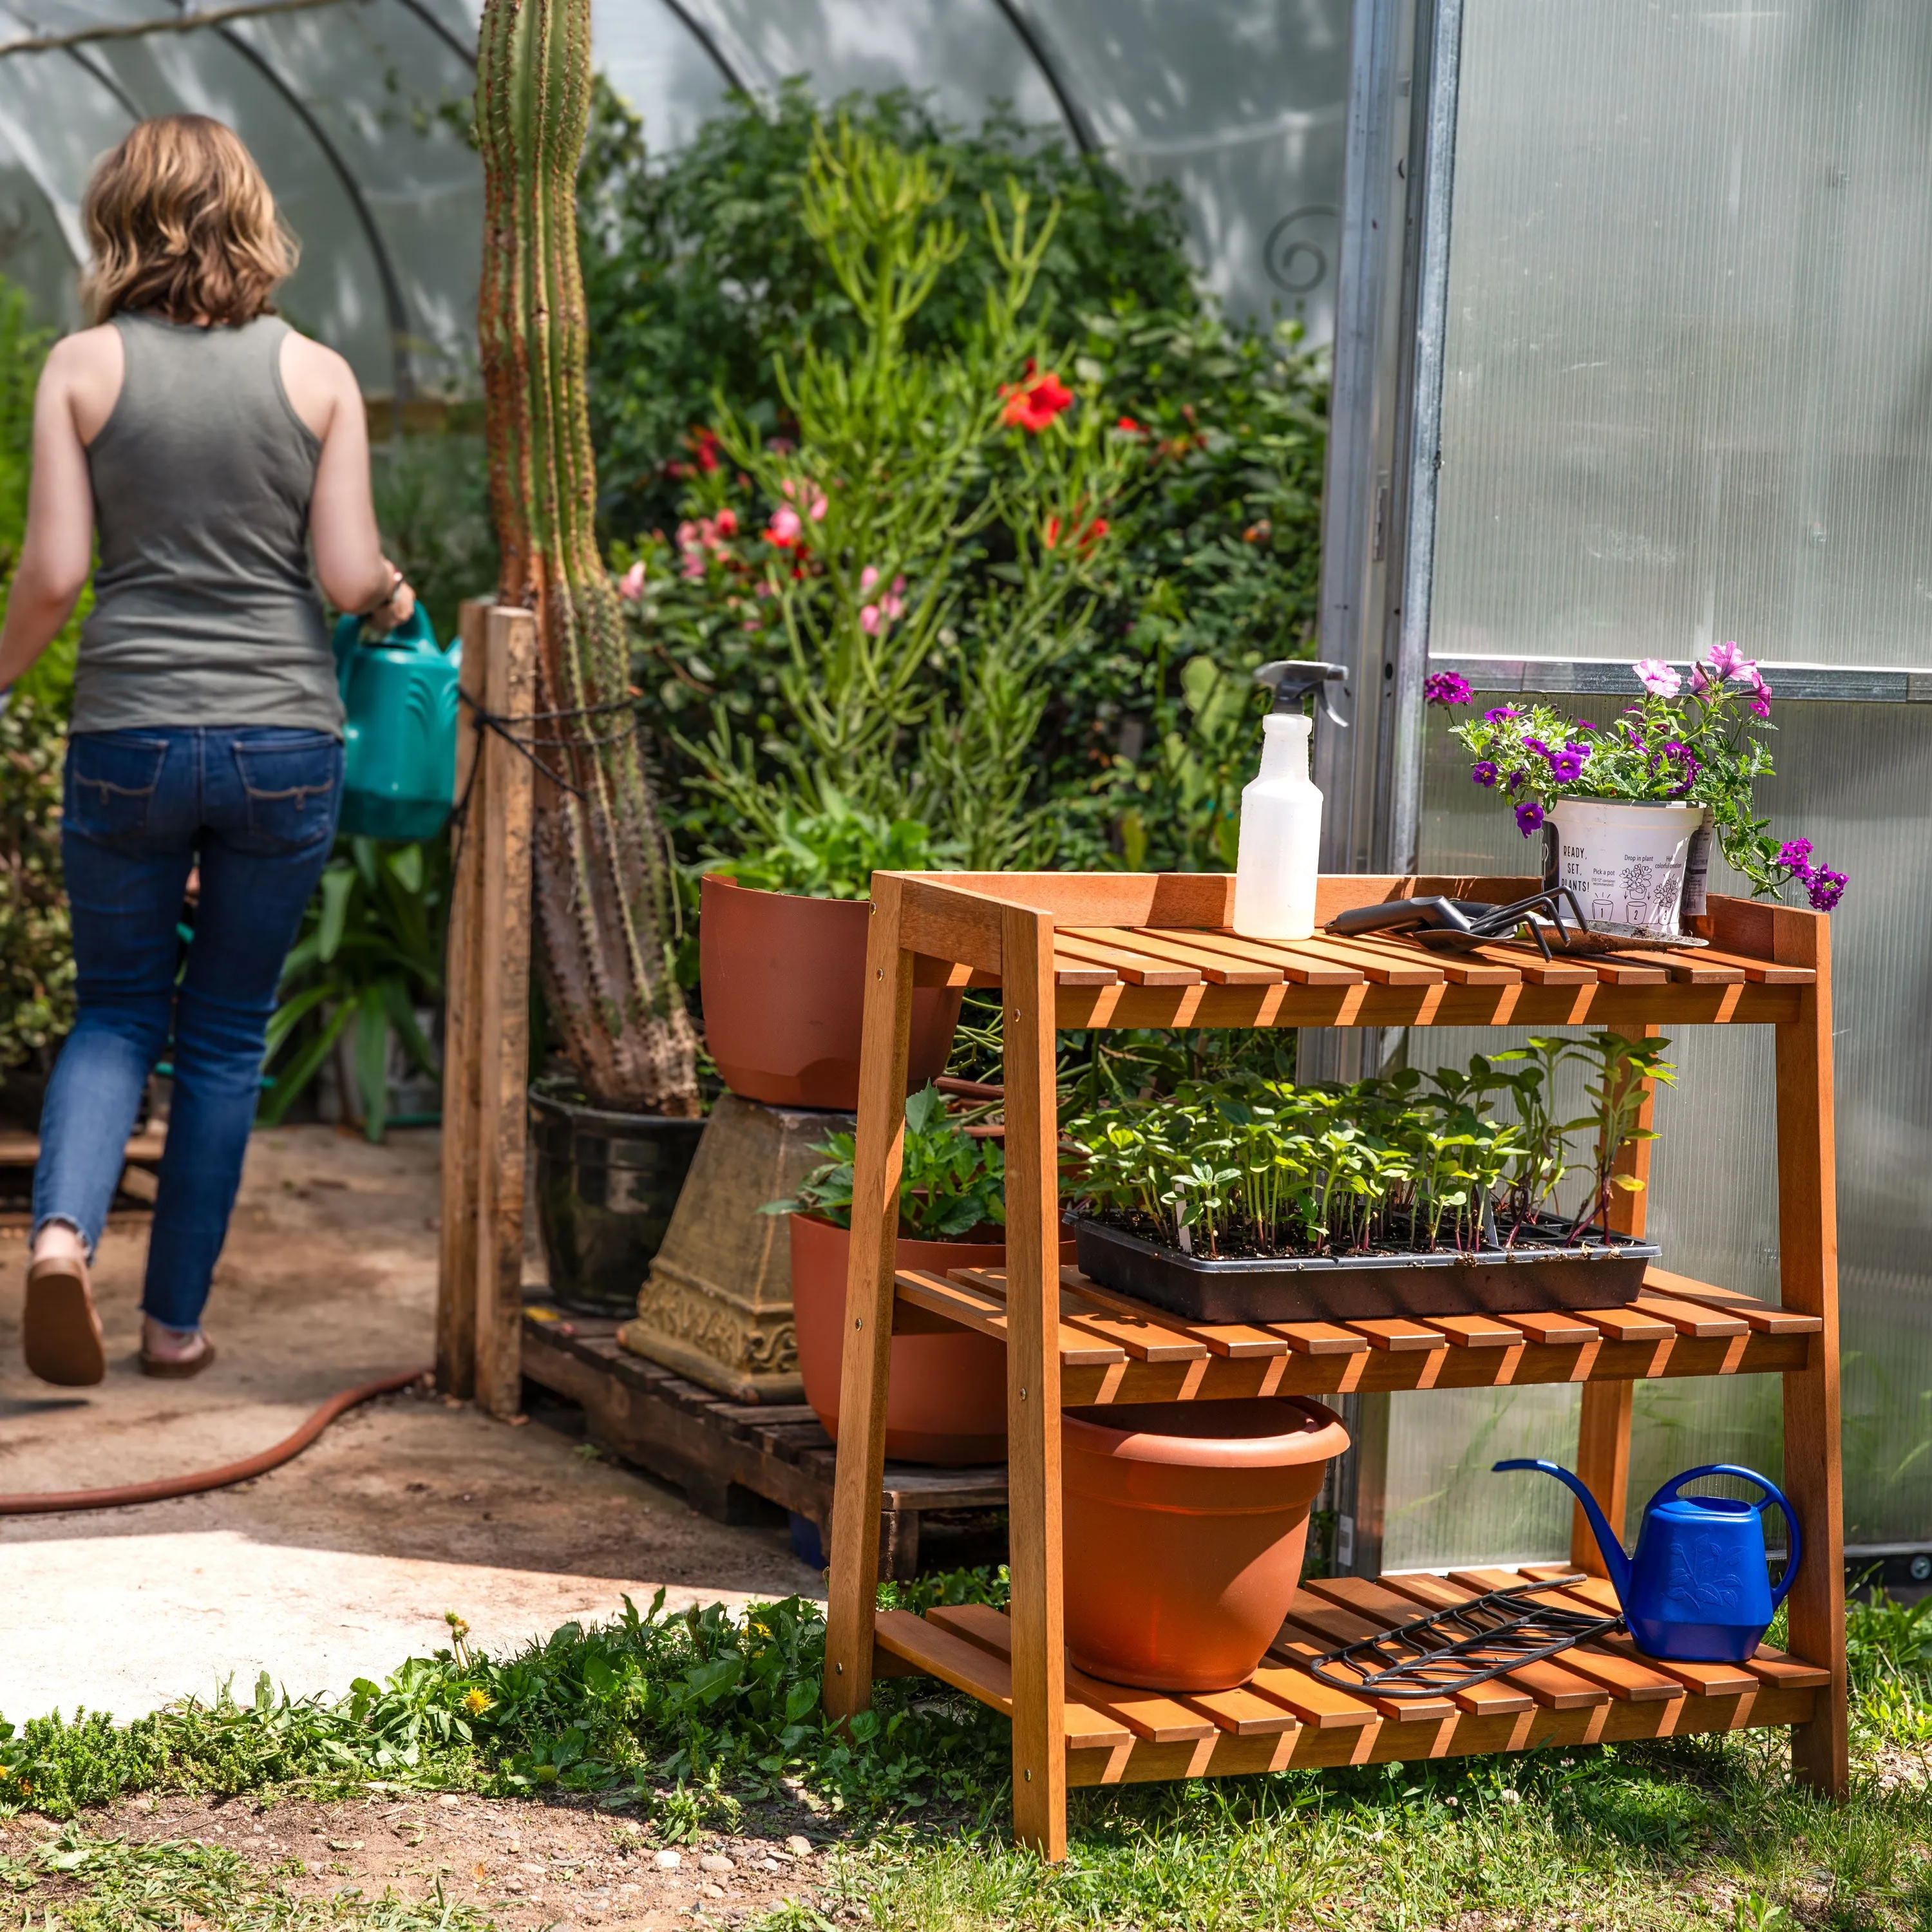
[
  {"x": 292, "y": 782},
  {"x": 112, "y": 777}
]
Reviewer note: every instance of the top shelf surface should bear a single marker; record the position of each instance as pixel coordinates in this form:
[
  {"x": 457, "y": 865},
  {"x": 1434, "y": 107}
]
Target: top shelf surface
[{"x": 1157, "y": 949}]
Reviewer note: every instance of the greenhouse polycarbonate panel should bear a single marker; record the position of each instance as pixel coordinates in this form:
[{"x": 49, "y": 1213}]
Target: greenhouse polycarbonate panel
[
  {"x": 1713, "y": 1204},
  {"x": 1689, "y": 322}
]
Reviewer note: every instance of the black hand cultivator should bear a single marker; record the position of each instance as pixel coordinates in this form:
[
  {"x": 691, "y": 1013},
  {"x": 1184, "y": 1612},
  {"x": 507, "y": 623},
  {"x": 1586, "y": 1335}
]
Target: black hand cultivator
[{"x": 1459, "y": 925}]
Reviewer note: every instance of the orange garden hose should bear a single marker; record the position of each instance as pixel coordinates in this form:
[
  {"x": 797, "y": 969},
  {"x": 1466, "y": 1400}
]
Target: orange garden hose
[{"x": 194, "y": 1483}]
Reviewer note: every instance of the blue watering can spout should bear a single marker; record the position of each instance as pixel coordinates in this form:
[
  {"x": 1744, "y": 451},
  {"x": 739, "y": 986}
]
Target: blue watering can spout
[{"x": 1615, "y": 1561}]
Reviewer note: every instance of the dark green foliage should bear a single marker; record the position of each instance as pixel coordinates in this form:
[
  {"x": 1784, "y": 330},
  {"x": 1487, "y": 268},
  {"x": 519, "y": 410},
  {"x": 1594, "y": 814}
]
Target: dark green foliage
[
  {"x": 36, "y": 943},
  {"x": 832, "y": 854},
  {"x": 433, "y": 506},
  {"x": 950, "y": 1181},
  {"x": 698, "y": 270},
  {"x": 701, "y": 275}
]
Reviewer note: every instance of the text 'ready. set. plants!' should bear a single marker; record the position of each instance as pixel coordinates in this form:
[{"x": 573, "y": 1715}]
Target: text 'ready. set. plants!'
[
  {"x": 603, "y": 881},
  {"x": 1244, "y": 1166},
  {"x": 1700, "y": 743}
]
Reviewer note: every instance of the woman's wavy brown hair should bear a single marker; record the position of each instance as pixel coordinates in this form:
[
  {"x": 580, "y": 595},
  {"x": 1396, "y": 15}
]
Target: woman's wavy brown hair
[{"x": 182, "y": 223}]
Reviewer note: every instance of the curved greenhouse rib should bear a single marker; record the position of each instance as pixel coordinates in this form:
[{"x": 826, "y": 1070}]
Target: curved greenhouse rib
[
  {"x": 706, "y": 39},
  {"x": 448, "y": 35},
  {"x": 1032, "y": 39},
  {"x": 393, "y": 301}
]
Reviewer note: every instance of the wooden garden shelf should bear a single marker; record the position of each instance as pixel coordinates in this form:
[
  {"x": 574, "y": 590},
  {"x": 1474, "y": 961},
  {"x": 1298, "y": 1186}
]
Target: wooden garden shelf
[
  {"x": 1099, "y": 951},
  {"x": 1113, "y": 1348},
  {"x": 1282, "y": 1718}
]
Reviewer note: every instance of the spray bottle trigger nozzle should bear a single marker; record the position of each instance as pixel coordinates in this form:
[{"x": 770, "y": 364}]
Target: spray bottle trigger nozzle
[{"x": 1291, "y": 679}]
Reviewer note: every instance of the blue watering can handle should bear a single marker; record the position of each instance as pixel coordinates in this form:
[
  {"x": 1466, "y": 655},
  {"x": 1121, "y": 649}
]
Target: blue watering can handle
[
  {"x": 414, "y": 631},
  {"x": 1773, "y": 1494}
]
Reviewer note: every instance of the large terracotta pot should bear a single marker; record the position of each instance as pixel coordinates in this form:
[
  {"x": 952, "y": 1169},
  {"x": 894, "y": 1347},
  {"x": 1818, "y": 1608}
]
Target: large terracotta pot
[
  {"x": 784, "y": 996},
  {"x": 1185, "y": 1524},
  {"x": 947, "y": 1402}
]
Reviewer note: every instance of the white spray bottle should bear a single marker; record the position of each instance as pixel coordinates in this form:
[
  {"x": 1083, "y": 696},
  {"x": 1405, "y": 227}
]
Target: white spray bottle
[{"x": 1280, "y": 855}]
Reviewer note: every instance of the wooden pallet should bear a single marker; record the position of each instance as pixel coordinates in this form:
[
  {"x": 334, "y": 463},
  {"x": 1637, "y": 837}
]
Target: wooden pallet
[
  {"x": 1113, "y": 950},
  {"x": 1600, "y": 1693},
  {"x": 144, "y": 1151},
  {"x": 725, "y": 1455}
]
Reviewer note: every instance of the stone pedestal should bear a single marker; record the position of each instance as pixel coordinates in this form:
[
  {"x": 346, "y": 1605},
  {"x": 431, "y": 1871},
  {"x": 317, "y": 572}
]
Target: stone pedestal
[{"x": 716, "y": 1305}]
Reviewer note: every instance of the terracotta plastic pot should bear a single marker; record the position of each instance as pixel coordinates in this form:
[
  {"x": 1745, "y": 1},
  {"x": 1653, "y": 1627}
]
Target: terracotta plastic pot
[
  {"x": 947, "y": 1402},
  {"x": 1185, "y": 1524},
  {"x": 784, "y": 995}
]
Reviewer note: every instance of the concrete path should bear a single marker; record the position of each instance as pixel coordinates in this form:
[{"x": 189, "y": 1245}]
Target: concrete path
[{"x": 343, "y": 1563}]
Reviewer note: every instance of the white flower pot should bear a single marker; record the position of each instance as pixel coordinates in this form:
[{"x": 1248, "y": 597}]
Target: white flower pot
[{"x": 1627, "y": 863}]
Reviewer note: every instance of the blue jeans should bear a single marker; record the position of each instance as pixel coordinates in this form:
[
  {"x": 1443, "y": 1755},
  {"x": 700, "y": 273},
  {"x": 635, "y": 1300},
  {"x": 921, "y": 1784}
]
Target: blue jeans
[{"x": 257, "y": 809}]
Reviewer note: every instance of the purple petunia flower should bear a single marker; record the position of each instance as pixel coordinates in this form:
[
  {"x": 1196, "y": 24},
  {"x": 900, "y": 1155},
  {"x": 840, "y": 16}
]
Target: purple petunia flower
[
  {"x": 1826, "y": 889},
  {"x": 1482, "y": 772},
  {"x": 1537, "y": 745},
  {"x": 1565, "y": 767},
  {"x": 1515, "y": 784},
  {"x": 1528, "y": 817},
  {"x": 1447, "y": 687},
  {"x": 1502, "y": 715},
  {"x": 1577, "y": 746}
]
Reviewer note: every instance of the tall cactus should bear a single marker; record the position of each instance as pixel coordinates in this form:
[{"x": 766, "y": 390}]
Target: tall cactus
[{"x": 603, "y": 883}]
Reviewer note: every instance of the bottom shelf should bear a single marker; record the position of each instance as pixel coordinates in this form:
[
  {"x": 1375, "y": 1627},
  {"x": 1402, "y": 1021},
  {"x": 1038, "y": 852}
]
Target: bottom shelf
[{"x": 1600, "y": 1693}]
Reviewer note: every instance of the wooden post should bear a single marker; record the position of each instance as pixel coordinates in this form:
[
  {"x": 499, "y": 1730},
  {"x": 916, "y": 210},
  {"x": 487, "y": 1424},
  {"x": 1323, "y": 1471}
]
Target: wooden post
[
  {"x": 866, "y": 1363},
  {"x": 486, "y": 1034},
  {"x": 502, "y": 939},
  {"x": 1032, "y": 1384},
  {"x": 456, "y": 1271},
  {"x": 1603, "y": 1424},
  {"x": 1807, "y": 1231}
]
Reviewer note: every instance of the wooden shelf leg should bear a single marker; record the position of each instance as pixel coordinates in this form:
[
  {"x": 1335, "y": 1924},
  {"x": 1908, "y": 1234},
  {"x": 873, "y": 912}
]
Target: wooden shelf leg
[
  {"x": 1808, "y": 1230},
  {"x": 1604, "y": 1422},
  {"x": 865, "y": 1364},
  {"x": 1032, "y": 1384}
]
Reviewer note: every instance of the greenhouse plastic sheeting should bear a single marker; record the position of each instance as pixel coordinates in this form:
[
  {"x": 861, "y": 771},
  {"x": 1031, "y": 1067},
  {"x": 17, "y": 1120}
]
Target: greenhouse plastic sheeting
[
  {"x": 354, "y": 110},
  {"x": 1684, "y": 401},
  {"x": 1689, "y": 320}
]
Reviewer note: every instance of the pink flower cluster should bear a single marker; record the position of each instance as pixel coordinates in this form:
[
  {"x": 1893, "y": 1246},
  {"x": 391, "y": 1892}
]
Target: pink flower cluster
[
  {"x": 884, "y": 610},
  {"x": 787, "y": 526},
  {"x": 706, "y": 538}
]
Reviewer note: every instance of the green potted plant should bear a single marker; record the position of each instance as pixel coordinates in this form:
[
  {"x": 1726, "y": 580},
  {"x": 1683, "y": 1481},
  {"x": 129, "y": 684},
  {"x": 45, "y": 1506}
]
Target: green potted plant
[
  {"x": 1628, "y": 809},
  {"x": 1251, "y": 1200},
  {"x": 912, "y": 560},
  {"x": 782, "y": 948},
  {"x": 947, "y": 1402}
]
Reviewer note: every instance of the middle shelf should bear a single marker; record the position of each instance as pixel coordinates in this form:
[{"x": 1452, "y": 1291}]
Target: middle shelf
[{"x": 1115, "y": 1349}]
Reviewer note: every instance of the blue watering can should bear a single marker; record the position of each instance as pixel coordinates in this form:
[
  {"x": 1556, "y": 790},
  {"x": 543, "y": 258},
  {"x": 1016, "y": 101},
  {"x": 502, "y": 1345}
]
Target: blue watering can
[
  {"x": 399, "y": 740},
  {"x": 1699, "y": 1588}
]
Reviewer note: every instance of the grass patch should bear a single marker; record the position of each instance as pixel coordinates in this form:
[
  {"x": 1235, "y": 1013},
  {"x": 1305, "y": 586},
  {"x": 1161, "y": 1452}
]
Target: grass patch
[
  {"x": 686, "y": 1719},
  {"x": 84, "y": 1882}
]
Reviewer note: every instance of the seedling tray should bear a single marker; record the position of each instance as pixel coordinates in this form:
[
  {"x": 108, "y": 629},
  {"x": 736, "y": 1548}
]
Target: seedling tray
[{"x": 1540, "y": 1272}]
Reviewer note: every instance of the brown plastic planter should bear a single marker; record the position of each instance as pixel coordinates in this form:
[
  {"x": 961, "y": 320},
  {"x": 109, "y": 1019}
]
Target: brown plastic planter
[
  {"x": 948, "y": 1399},
  {"x": 1185, "y": 1524},
  {"x": 784, "y": 994}
]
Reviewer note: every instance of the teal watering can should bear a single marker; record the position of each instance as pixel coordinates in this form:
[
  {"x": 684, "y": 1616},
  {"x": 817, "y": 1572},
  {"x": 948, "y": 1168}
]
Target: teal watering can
[
  {"x": 399, "y": 740},
  {"x": 1699, "y": 1588}
]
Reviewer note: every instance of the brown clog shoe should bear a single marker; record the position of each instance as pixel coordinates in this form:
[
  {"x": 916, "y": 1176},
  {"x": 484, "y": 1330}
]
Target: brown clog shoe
[
  {"x": 62, "y": 1333},
  {"x": 163, "y": 1369}
]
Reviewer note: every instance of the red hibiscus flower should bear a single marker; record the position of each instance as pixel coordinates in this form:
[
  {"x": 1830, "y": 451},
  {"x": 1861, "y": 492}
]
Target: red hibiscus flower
[{"x": 1033, "y": 404}]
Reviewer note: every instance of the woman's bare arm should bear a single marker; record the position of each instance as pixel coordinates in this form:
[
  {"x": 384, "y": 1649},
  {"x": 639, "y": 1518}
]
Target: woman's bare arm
[
  {"x": 78, "y": 388},
  {"x": 349, "y": 560}
]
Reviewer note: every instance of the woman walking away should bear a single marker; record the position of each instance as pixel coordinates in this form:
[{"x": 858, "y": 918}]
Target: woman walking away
[{"x": 208, "y": 446}]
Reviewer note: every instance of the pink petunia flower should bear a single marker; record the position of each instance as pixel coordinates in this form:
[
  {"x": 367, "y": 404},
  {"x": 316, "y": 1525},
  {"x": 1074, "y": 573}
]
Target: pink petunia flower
[
  {"x": 630, "y": 585},
  {"x": 1727, "y": 660},
  {"x": 869, "y": 620},
  {"x": 1657, "y": 677},
  {"x": 785, "y": 526}
]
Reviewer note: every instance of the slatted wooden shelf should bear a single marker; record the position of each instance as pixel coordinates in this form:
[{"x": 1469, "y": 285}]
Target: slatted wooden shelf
[
  {"x": 1600, "y": 1693},
  {"x": 723, "y": 1455},
  {"x": 22, "y": 1150},
  {"x": 1095, "y": 951},
  {"x": 1114, "y": 1348}
]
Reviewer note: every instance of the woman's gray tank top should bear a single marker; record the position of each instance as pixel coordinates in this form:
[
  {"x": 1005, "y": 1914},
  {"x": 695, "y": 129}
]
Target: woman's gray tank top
[{"x": 205, "y": 612}]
